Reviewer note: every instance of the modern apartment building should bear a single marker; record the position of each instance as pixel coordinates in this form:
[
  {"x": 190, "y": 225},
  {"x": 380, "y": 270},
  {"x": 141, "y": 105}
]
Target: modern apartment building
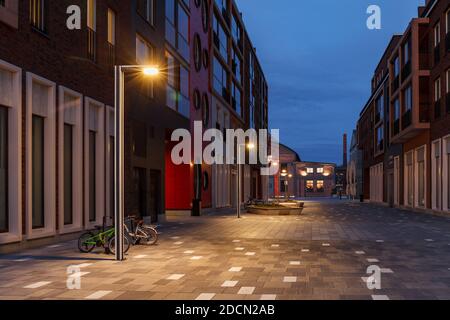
[
  {"x": 414, "y": 172},
  {"x": 239, "y": 99},
  {"x": 57, "y": 114}
]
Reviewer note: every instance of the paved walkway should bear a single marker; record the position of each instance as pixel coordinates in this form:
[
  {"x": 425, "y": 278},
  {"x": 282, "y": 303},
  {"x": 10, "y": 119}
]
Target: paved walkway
[{"x": 322, "y": 254}]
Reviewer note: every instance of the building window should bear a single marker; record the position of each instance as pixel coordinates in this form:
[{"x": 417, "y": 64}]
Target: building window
[
  {"x": 408, "y": 99},
  {"x": 177, "y": 86},
  {"x": 421, "y": 177},
  {"x": 437, "y": 34},
  {"x": 4, "y": 211},
  {"x": 236, "y": 31},
  {"x": 111, "y": 37},
  {"x": 319, "y": 170},
  {"x": 236, "y": 66},
  {"x": 92, "y": 176},
  {"x": 37, "y": 14},
  {"x": 437, "y": 175},
  {"x": 91, "y": 29},
  {"x": 144, "y": 56},
  {"x": 437, "y": 98},
  {"x": 140, "y": 139},
  {"x": 309, "y": 170},
  {"x": 379, "y": 105},
  {"x": 220, "y": 38},
  {"x": 409, "y": 183},
  {"x": 380, "y": 139},
  {"x": 396, "y": 67},
  {"x": 68, "y": 174},
  {"x": 236, "y": 99},
  {"x": 220, "y": 79},
  {"x": 407, "y": 52},
  {"x": 177, "y": 27},
  {"x": 146, "y": 9},
  {"x": 38, "y": 185},
  {"x": 310, "y": 186},
  {"x": 320, "y": 186}
]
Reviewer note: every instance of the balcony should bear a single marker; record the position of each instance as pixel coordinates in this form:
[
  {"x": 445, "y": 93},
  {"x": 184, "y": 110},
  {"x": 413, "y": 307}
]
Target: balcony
[
  {"x": 437, "y": 109},
  {"x": 406, "y": 71},
  {"x": 406, "y": 119},
  {"x": 437, "y": 54},
  {"x": 92, "y": 44}
]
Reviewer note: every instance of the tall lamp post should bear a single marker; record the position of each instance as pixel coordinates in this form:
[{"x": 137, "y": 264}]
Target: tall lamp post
[
  {"x": 119, "y": 167},
  {"x": 238, "y": 189}
]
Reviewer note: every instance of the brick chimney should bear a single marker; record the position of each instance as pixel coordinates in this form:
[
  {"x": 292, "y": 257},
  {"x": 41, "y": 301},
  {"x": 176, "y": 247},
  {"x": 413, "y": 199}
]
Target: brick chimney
[{"x": 344, "y": 161}]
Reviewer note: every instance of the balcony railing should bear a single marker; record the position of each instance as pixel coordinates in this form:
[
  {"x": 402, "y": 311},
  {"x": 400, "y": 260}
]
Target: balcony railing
[
  {"x": 92, "y": 44},
  {"x": 406, "y": 119},
  {"x": 406, "y": 71},
  {"x": 396, "y": 127},
  {"x": 396, "y": 83},
  {"x": 437, "y": 109},
  {"x": 437, "y": 54}
]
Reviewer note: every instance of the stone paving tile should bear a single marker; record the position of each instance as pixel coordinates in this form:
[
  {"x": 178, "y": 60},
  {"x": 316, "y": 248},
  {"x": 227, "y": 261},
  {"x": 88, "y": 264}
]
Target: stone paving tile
[{"x": 327, "y": 249}]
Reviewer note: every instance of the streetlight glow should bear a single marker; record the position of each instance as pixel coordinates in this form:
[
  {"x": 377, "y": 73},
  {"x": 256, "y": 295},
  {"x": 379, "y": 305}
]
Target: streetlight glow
[
  {"x": 251, "y": 146},
  {"x": 150, "y": 71}
]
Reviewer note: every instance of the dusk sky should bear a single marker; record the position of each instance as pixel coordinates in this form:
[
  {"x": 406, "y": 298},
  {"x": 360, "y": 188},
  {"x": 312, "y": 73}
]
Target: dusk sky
[{"x": 319, "y": 58}]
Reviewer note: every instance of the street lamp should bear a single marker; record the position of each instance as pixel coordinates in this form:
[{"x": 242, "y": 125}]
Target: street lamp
[
  {"x": 119, "y": 167},
  {"x": 238, "y": 189}
]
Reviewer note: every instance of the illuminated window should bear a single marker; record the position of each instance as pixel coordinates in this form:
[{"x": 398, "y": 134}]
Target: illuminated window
[
  {"x": 309, "y": 170},
  {"x": 310, "y": 186},
  {"x": 319, "y": 170},
  {"x": 37, "y": 14},
  {"x": 319, "y": 186}
]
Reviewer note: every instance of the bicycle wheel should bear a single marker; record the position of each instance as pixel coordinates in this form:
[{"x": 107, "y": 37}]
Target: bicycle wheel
[
  {"x": 86, "y": 243},
  {"x": 152, "y": 236},
  {"x": 112, "y": 244}
]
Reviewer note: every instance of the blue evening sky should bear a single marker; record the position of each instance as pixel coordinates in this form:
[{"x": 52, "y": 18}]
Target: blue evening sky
[{"x": 319, "y": 58}]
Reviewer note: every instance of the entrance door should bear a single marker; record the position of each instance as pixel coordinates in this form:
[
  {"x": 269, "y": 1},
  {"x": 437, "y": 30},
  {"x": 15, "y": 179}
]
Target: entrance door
[
  {"x": 141, "y": 190},
  {"x": 154, "y": 194}
]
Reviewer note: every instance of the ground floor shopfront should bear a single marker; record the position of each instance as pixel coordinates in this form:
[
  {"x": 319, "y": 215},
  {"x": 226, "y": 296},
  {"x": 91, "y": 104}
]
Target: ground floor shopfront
[{"x": 57, "y": 157}]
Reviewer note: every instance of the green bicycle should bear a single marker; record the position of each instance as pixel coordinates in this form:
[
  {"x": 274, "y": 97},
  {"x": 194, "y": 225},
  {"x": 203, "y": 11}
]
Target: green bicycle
[{"x": 102, "y": 238}]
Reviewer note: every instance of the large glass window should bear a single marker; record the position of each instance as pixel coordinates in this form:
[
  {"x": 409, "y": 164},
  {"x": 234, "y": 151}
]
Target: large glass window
[
  {"x": 4, "y": 169},
  {"x": 146, "y": 8},
  {"x": 379, "y": 108},
  {"x": 183, "y": 33},
  {"x": 68, "y": 174},
  {"x": 236, "y": 30},
  {"x": 237, "y": 66},
  {"x": 177, "y": 27},
  {"x": 220, "y": 38},
  {"x": 38, "y": 172},
  {"x": 396, "y": 109},
  {"x": 37, "y": 14},
  {"x": 437, "y": 34},
  {"x": 92, "y": 176},
  {"x": 380, "y": 139},
  {"x": 236, "y": 99},
  {"x": 144, "y": 56},
  {"x": 408, "y": 99},
  {"x": 170, "y": 22},
  {"x": 410, "y": 179},
  {"x": 220, "y": 79},
  {"x": 407, "y": 52},
  {"x": 177, "y": 86},
  {"x": 396, "y": 67},
  {"x": 437, "y": 174},
  {"x": 310, "y": 186},
  {"x": 320, "y": 186}
]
